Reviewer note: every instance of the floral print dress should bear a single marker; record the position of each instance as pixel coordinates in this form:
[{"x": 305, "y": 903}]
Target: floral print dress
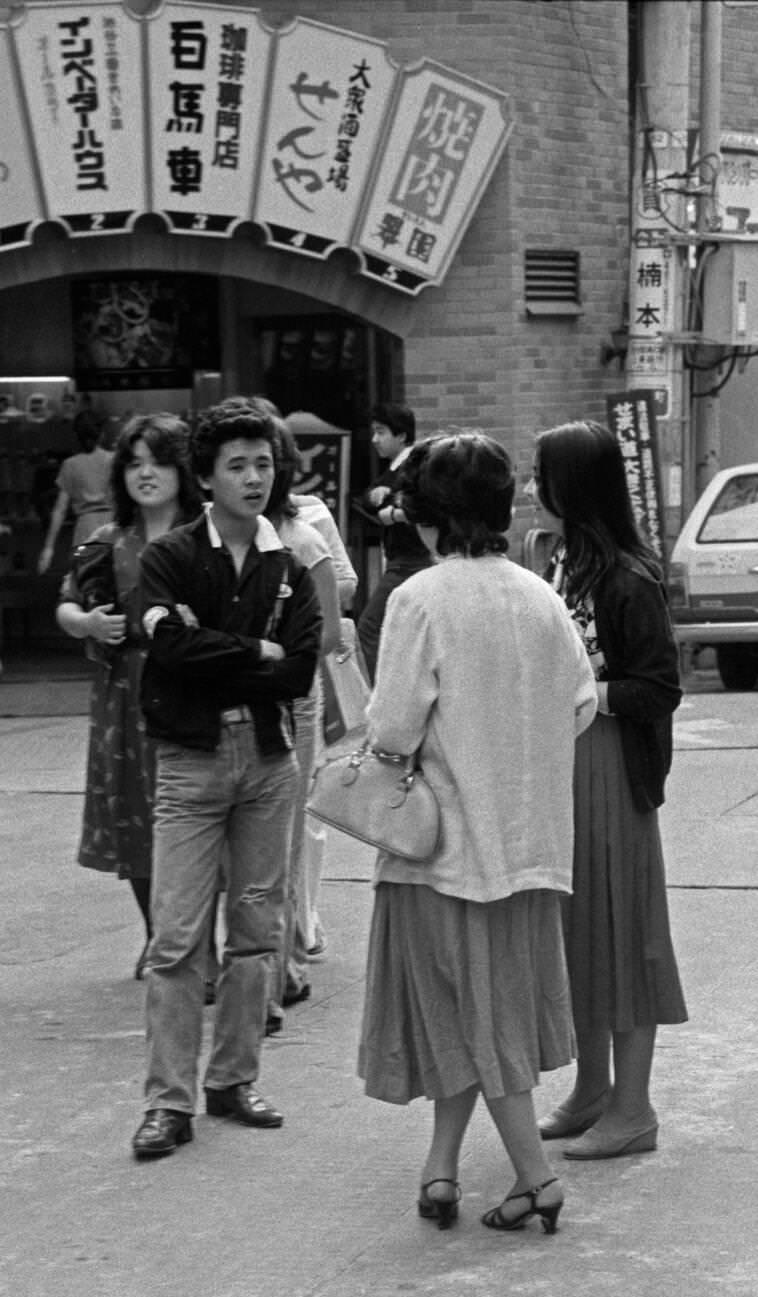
[{"x": 117, "y": 820}]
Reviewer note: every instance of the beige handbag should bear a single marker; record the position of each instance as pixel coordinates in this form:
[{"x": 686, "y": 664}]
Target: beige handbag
[{"x": 380, "y": 799}]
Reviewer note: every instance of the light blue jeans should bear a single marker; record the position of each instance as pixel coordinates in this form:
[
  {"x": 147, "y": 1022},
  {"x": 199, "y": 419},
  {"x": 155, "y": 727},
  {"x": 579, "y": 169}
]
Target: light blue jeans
[
  {"x": 204, "y": 801},
  {"x": 293, "y": 968}
]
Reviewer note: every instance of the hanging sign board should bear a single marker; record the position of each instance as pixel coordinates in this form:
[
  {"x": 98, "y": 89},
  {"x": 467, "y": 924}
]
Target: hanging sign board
[
  {"x": 658, "y": 205},
  {"x": 329, "y": 95},
  {"x": 80, "y": 71},
  {"x": 19, "y": 200},
  {"x": 203, "y": 114},
  {"x": 446, "y": 135},
  {"x": 207, "y": 83},
  {"x": 324, "y": 462},
  {"x": 737, "y": 184},
  {"x": 631, "y": 418}
]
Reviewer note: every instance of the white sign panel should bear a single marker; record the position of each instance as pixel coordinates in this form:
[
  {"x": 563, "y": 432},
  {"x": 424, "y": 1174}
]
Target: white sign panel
[
  {"x": 207, "y": 83},
  {"x": 80, "y": 71},
  {"x": 446, "y": 136},
  {"x": 737, "y": 184},
  {"x": 19, "y": 202},
  {"x": 649, "y": 361},
  {"x": 329, "y": 97}
]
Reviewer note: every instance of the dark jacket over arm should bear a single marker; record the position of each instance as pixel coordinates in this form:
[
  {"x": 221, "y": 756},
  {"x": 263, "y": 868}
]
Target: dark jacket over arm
[
  {"x": 634, "y": 631},
  {"x": 195, "y": 671}
]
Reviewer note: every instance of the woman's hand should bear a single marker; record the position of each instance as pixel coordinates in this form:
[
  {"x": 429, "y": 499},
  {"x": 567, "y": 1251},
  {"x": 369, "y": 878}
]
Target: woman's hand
[
  {"x": 45, "y": 559},
  {"x": 271, "y": 651},
  {"x": 378, "y": 494},
  {"x": 105, "y": 626},
  {"x": 391, "y": 513},
  {"x": 602, "y": 697}
]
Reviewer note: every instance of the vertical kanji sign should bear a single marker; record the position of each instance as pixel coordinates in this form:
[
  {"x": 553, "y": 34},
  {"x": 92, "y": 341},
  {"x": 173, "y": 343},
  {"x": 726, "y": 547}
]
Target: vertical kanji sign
[
  {"x": 207, "y": 116},
  {"x": 329, "y": 95},
  {"x": 19, "y": 200},
  {"x": 631, "y": 418},
  {"x": 446, "y": 136},
  {"x": 80, "y": 69},
  {"x": 653, "y": 268},
  {"x": 324, "y": 461},
  {"x": 207, "y": 84}
]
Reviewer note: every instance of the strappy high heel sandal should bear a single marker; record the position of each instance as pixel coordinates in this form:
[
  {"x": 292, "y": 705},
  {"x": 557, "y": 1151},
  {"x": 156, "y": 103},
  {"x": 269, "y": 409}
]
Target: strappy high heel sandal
[
  {"x": 495, "y": 1219},
  {"x": 443, "y": 1210}
]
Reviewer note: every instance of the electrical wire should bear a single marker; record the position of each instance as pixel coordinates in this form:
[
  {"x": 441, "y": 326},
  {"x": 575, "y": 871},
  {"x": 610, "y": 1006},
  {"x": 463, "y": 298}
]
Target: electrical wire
[{"x": 698, "y": 396}]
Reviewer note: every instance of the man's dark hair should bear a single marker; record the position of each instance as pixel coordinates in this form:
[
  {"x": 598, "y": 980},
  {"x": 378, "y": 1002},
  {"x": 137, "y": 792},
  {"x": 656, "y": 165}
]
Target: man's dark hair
[
  {"x": 237, "y": 416},
  {"x": 462, "y": 484},
  {"x": 398, "y": 418}
]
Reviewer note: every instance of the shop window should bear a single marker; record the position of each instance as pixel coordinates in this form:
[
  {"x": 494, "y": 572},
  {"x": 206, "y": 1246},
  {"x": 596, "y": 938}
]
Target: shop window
[
  {"x": 551, "y": 282},
  {"x": 144, "y": 332}
]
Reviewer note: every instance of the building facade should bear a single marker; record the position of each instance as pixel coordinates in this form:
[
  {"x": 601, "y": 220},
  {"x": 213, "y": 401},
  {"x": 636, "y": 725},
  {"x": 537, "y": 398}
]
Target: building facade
[{"x": 509, "y": 339}]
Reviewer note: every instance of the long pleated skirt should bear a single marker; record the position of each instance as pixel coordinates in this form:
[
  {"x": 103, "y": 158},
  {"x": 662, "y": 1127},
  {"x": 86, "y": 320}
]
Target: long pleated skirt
[
  {"x": 460, "y": 993},
  {"x": 621, "y": 960}
]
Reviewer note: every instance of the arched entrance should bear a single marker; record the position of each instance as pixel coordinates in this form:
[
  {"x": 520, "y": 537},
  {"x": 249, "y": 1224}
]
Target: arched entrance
[{"x": 308, "y": 334}]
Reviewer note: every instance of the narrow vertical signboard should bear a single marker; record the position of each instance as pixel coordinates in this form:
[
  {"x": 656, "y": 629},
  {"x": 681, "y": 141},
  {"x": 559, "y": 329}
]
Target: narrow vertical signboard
[
  {"x": 654, "y": 270},
  {"x": 80, "y": 68},
  {"x": 632, "y": 420},
  {"x": 330, "y": 91},
  {"x": 446, "y": 135},
  {"x": 207, "y": 78},
  {"x": 205, "y": 115},
  {"x": 19, "y": 199}
]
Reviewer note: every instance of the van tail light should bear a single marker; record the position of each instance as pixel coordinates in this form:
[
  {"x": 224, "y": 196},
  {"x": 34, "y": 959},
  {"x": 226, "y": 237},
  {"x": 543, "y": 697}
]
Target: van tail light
[{"x": 678, "y": 586}]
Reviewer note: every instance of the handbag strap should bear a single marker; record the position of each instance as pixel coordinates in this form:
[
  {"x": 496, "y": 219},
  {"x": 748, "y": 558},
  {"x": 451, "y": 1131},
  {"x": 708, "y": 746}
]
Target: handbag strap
[{"x": 409, "y": 764}]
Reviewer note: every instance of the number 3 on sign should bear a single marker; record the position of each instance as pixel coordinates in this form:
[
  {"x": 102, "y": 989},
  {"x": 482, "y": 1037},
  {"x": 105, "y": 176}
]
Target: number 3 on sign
[{"x": 200, "y": 221}]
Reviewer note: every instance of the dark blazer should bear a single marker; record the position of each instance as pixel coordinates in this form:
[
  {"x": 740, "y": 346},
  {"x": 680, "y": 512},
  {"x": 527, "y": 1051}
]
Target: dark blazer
[
  {"x": 635, "y": 634},
  {"x": 192, "y": 673}
]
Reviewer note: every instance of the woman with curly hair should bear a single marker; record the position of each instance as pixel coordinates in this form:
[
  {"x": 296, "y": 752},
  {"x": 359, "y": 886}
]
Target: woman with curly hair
[{"x": 482, "y": 674}]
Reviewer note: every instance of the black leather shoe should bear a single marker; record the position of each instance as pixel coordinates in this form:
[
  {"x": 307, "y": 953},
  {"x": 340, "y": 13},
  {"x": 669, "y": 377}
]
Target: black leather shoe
[
  {"x": 161, "y": 1131},
  {"x": 295, "y": 995},
  {"x": 274, "y": 1022},
  {"x": 244, "y": 1103}
]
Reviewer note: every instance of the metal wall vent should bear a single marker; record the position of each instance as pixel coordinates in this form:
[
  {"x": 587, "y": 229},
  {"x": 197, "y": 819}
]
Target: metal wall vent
[{"x": 551, "y": 282}]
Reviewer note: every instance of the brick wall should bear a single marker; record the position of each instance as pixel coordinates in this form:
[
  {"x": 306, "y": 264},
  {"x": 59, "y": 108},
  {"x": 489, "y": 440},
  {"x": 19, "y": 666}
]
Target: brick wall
[{"x": 473, "y": 356}]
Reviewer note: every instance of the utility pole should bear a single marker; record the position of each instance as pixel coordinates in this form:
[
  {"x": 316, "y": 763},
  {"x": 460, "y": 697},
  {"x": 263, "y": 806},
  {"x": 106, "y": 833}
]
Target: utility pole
[
  {"x": 706, "y": 408},
  {"x": 657, "y": 279}
]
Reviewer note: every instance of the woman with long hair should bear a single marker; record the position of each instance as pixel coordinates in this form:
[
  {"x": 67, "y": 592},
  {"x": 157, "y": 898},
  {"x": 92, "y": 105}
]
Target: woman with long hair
[
  {"x": 153, "y": 489},
  {"x": 624, "y": 977}
]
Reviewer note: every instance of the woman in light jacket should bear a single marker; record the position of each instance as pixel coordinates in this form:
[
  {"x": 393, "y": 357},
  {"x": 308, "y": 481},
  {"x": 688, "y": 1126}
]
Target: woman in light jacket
[{"x": 481, "y": 671}]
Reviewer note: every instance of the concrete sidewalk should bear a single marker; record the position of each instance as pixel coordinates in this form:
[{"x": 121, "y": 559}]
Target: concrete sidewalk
[{"x": 325, "y": 1207}]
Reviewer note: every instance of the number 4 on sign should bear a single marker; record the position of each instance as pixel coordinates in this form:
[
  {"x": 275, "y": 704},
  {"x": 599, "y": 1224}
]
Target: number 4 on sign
[{"x": 298, "y": 239}]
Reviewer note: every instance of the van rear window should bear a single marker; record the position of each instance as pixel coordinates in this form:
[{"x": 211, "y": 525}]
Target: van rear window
[{"x": 733, "y": 515}]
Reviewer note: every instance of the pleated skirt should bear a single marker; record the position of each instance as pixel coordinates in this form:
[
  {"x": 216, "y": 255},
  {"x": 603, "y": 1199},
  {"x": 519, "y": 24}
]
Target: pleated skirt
[
  {"x": 621, "y": 960},
  {"x": 460, "y": 993}
]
